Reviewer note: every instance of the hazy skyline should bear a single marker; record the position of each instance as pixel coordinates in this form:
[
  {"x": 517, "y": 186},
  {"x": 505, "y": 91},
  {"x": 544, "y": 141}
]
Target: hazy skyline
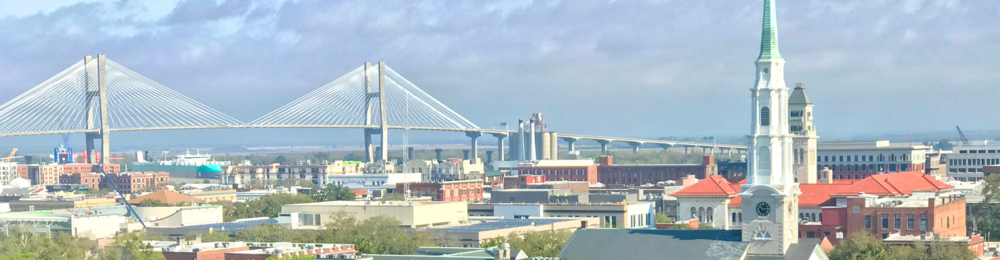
[{"x": 614, "y": 68}]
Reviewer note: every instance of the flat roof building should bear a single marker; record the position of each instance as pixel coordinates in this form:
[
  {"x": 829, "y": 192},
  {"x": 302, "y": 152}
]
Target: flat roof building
[
  {"x": 480, "y": 229},
  {"x": 966, "y": 162},
  {"x": 409, "y": 213}
]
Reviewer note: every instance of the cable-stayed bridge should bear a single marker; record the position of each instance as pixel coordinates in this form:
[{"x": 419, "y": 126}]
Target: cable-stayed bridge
[{"x": 99, "y": 96}]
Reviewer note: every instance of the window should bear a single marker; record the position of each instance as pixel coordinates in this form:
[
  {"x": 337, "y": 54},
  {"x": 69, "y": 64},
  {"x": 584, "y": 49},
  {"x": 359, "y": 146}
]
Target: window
[
  {"x": 923, "y": 221},
  {"x": 765, "y": 116},
  {"x": 896, "y": 222},
  {"x": 810, "y": 234},
  {"x": 763, "y": 235},
  {"x": 318, "y": 218},
  {"x": 909, "y": 222},
  {"x": 826, "y": 234},
  {"x": 868, "y": 221},
  {"x": 885, "y": 221}
]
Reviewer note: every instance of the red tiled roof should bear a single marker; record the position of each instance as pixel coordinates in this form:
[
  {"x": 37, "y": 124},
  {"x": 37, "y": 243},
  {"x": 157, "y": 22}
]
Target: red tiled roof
[
  {"x": 165, "y": 196},
  {"x": 715, "y": 185},
  {"x": 816, "y": 195},
  {"x": 894, "y": 184}
]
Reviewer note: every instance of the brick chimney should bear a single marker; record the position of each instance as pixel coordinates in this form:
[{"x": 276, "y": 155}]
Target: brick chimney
[{"x": 606, "y": 160}]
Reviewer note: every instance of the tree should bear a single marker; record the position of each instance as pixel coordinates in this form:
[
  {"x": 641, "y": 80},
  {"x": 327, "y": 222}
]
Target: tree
[
  {"x": 280, "y": 159},
  {"x": 985, "y": 215},
  {"x": 206, "y": 181},
  {"x": 21, "y": 243},
  {"x": 129, "y": 246},
  {"x": 298, "y": 257},
  {"x": 265, "y": 206},
  {"x": 662, "y": 218},
  {"x": 18, "y": 256},
  {"x": 333, "y": 193},
  {"x": 944, "y": 145},
  {"x": 276, "y": 233},
  {"x": 393, "y": 197},
  {"x": 376, "y": 235},
  {"x": 152, "y": 203},
  {"x": 860, "y": 246},
  {"x": 209, "y": 236},
  {"x": 534, "y": 243}
]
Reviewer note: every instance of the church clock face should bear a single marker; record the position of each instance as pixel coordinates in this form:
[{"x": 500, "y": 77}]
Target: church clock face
[{"x": 763, "y": 209}]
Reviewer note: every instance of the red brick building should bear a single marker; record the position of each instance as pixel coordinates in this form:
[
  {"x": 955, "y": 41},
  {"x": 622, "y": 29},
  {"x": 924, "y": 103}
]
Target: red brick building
[
  {"x": 639, "y": 174},
  {"x": 90, "y": 179},
  {"x": 136, "y": 182},
  {"x": 460, "y": 190},
  {"x": 562, "y": 170},
  {"x": 287, "y": 252},
  {"x": 88, "y": 168},
  {"x": 904, "y": 203}
]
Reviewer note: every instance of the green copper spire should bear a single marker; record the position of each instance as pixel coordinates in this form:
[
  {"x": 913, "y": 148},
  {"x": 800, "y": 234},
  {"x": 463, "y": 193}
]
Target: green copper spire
[{"x": 769, "y": 34}]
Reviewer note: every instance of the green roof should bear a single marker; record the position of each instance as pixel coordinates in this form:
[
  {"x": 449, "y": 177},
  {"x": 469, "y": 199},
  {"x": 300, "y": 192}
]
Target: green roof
[
  {"x": 493, "y": 173},
  {"x": 769, "y": 33},
  {"x": 210, "y": 168}
]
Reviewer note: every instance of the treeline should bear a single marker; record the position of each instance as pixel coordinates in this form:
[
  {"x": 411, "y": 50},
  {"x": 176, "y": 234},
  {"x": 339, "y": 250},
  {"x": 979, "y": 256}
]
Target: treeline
[
  {"x": 24, "y": 245},
  {"x": 862, "y": 246},
  {"x": 270, "y": 205}
]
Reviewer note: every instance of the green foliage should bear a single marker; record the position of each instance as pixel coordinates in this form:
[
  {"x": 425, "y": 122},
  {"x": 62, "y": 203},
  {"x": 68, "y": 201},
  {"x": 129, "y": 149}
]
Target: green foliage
[
  {"x": 535, "y": 243},
  {"x": 333, "y": 193},
  {"x": 376, "y": 235},
  {"x": 207, "y": 236},
  {"x": 985, "y": 216},
  {"x": 18, "y": 256},
  {"x": 206, "y": 181},
  {"x": 276, "y": 233},
  {"x": 129, "y": 247},
  {"x": 152, "y": 203},
  {"x": 25, "y": 245},
  {"x": 265, "y": 206},
  {"x": 661, "y": 218},
  {"x": 860, "y": 246}
]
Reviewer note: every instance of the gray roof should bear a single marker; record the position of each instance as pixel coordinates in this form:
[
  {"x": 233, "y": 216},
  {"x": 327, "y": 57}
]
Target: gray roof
[
  {"x": 799, "y": 96},
  {"x": 806, "y": 248},
  {"x": 598, "y": 243},
  {"x": 497, "y": 224}
]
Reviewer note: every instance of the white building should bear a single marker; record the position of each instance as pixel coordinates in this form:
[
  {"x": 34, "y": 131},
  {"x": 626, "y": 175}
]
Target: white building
[
  {"x": 8, "y": 172},
  {"x": 371, "y": 182},
  {"x": 319, "y": 174},
  {"x": 965, "y": 163},
  {"x": 857, "y": 160}
]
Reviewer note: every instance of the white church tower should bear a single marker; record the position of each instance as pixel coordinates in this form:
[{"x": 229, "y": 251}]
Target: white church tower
[{"x": 770, "y": 196}]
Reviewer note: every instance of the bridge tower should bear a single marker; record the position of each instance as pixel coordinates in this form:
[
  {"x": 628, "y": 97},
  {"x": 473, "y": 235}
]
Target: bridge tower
[{"x": 99, "y": 92}]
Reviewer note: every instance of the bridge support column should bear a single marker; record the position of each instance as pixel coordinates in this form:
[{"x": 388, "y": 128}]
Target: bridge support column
[
  {"x": 489, "y": 157},
  {"x": 465, "y": 154},
  {"x": 571, "y": 143},
  {"x": 378, "y": 154},
  {"x": 604, "y": 146},
  {"x": 500, "y": 145},
  {"x": 409, "y": 153},
  {"x": 635, "y": 146},
  {"x": 687, "y": 149},
  {"x": 665, "y": 146},
  {"x": 89, "y": 153},
  {"x": 105, "y": 127},
  {"x": 437, "y": 152},
  {"x": 728, "y": 151},
  {"x": 369, "y": 155},
  {"x": 384, "y": 125},
  {"x": 475, "y": 146}
]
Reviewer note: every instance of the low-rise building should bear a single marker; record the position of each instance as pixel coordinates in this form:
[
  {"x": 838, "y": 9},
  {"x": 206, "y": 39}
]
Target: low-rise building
[
  {"x": 135, "y": 182},
  {"x": 965, "y": 162},
  {"x": 458, "y": 190},
  {"x": 8, "y": 172},
  {"x": 858, "y": 160},
  {"x": 92, "y": 180},
  {"x": 181, "y": 249},
  {"x": 91, "y": 223},
  {"x": 611, "y": 215},
  {"x": 504, "y": 252},
  {"x": 409, "y": 213},
  {"x": 609, "y": 173},
  {"x": 52, "y": 203},
  {"x": 562, "y": 170},
  {"x": 179, "y": 216},
  {"x": 372, "y": 182},
  {"x": 480, "y": 229},
  {"x": 319, "y": 174}
]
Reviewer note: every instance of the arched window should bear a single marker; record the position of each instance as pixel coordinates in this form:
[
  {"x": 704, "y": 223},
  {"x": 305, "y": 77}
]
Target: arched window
[
  {"x": 765, "y": 116},
  {"x": 709, "y": 215},
  {"x": 734, "y": 217},
  {"x": 740, "y": 215}
]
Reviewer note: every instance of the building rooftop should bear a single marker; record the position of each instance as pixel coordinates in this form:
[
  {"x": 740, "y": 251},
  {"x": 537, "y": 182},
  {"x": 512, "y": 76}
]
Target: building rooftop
[
  {"x": 563, "y": 163},
  {"x": 374, "y": 203},
  {"x": 498, "y": 224},
  {"x": 871, "y": 145},
  {"x": 235, "y": 225},
  {"x": 165, "y": 196}
]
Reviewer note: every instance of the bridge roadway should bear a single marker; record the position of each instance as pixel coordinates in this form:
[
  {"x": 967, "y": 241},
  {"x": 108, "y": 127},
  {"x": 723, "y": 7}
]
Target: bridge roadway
[{"x": 570, "y": 139}]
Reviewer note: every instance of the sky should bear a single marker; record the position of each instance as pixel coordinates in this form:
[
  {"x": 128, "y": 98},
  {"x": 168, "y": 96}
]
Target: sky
[{"x": 614, "y": 68}]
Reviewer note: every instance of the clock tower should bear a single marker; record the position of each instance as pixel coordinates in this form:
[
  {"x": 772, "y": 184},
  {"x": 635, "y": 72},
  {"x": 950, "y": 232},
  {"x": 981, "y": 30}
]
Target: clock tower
[{"x": 770, "y": 196}]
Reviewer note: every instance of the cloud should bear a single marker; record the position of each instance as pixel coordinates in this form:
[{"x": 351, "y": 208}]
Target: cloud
[{"x": 632, "y": 68}]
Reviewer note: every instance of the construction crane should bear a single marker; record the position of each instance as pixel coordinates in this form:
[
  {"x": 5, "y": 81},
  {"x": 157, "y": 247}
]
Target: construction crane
[
  {"x": 965, "y": 141},
  {"x": 11, "y": 156}
]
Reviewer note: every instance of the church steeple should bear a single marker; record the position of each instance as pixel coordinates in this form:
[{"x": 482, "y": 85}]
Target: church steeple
[{"x": 769, "y": 34}]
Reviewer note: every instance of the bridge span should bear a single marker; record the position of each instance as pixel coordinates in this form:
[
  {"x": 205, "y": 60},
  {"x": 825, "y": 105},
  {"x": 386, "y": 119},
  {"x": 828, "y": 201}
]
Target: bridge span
[{"x": 97, "y": 97}]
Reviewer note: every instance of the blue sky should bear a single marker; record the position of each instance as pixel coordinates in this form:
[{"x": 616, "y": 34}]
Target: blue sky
[{"x": 624, "y": 68}]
